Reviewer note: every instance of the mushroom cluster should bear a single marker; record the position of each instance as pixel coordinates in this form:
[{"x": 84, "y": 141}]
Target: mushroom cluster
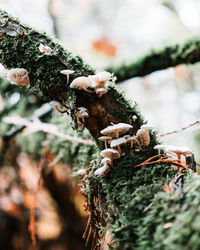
[
  {"x": 173, "y": 150},
  {"x": 81, "y": 114},
  {"x": 93, "y": 83},
  {"x": 115, "y": 140}
]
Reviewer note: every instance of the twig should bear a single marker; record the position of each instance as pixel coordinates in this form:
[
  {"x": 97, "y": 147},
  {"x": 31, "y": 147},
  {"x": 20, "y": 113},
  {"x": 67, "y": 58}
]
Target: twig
[
  {"x": 36, "y": 125},
  {"x": 40, "y": 113},
  {"x": 181, "y": 129},
  {"x": 162, "y": 160}
]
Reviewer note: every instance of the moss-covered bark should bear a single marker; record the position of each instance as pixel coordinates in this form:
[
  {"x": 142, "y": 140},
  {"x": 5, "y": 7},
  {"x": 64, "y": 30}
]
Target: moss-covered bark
[{"x": 186, "y": 53}]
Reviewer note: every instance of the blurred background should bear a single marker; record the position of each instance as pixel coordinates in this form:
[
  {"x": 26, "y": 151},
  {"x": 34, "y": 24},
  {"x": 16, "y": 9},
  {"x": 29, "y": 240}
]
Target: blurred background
[{"x": 107, "y": 33}]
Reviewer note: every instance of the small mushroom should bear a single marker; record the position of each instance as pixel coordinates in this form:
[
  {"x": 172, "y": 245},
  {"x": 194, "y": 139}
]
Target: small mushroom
[
  {"x": 178, "y": 151},
  {"x": 81, "y": 114},
  {"x": 67, "y": 72},
  {"x": 102, "y": 170},
  {"x": 101, "y": 79},
  {"x": 143, "y": 137},
  {"x": 117, "y": 143},
  {"x": 101, "y": 91},
  {"x": 110, "y": 153},
  {"x": 82, "y": 83},
  {"x": 159, "y": 148},
  {"x": 134, "y": 118},
  {"x": 18, "y": 76},
  {"x": 116, "y": 129},
  {"x": 133, "y": 141},
  {"x": 45, "y": 49},
  {"x": 147, "y": 126},
  {"x": 105, "y": 139},
  {"x": 106, "y": 160}
]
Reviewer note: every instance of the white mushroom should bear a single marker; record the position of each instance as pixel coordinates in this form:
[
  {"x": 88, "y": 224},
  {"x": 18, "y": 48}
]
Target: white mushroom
[
  {"x": 102, "y": 170},
  {"x": 134, "y": 118},
  {"x": 101, "y": 79},
  {"x": 82, "y": 83},
  {"x": 67, "y": 72},
  {"x": 116, "y": 129},
  {"x": 133, "y": 141},
  {"x": 178, "y": 151},
  {"x": 143, "y": 137},
  {"x": 147, "y": 126},
  {"x": 45, "y": 49},
  {"x": 105, "y": 139},
  {"x": 81, "y": 114},
  {"x": 110, "y": 153},
  {"x": 106, "y": 160},
  {"x": 159, "y": 148},
  {"x": 101, "y": 91},
  {"x": 117, "y": 143},
  {"x": 18, "y": 76}
]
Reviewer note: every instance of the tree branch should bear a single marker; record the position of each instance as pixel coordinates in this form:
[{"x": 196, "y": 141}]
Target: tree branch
[{"x": 170, "y": 56}]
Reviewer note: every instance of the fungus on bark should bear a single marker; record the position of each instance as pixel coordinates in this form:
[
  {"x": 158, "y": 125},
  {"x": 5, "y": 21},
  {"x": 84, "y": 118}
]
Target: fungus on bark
[
  {"x": 45, "y": 49},
  {"x": 110, "y": 153},
  {"x": 117, "y": 143},
  {"x": 105, "y": 139},
  {"x": 67, "y": 72},
  {"x": 116, "y": 129},
  {"x": 82, "y": 83},
  {"x": 18, "y": 76}
]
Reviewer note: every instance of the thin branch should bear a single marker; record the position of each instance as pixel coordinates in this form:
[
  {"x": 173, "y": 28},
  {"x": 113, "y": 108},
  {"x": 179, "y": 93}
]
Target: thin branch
[
  {"x": 181, "y": 129},
  {"x": 36, "y": 125},
  {"x": 40, "y": 113}
]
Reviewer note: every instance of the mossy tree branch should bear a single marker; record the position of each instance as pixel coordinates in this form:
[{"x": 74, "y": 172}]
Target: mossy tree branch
[
  {"x": 170, "y": 56},
  {"x": 19, "y": 48},
  {"x": 123, "y": 198}
]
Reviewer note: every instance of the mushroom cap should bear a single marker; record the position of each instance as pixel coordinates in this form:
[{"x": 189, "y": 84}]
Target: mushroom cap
[
  {"x": 104, "y": 138},
  {"x": 134, "y": 117},
  {"x": 118, "y": 142},
  {"x": 178, "y": 150},
  {"x": 18, "y": 76},
  {"x": 82, "y": 109},
  {"x": 162, "y": 147},
  {"x": 103, "y": 76},
  {"x": 67, "y": 72},
  {"x": 100, "y": 79},
  {"x": 132, "y": 139},
  {"x": 121, "y": 127},
  {"x": 147, "y": 126},
  {"x": 84, "y": 114},
  {"x": 101, "y": 91},
  {"x": 143, "y": 137},
  {"x": 110, "y": 153},
  {"x": 45, "y": 49},
  {"x": 101, "y": 170},
  {"x": 106, "y": 160},
  {"x": 79, "y": 82}
]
